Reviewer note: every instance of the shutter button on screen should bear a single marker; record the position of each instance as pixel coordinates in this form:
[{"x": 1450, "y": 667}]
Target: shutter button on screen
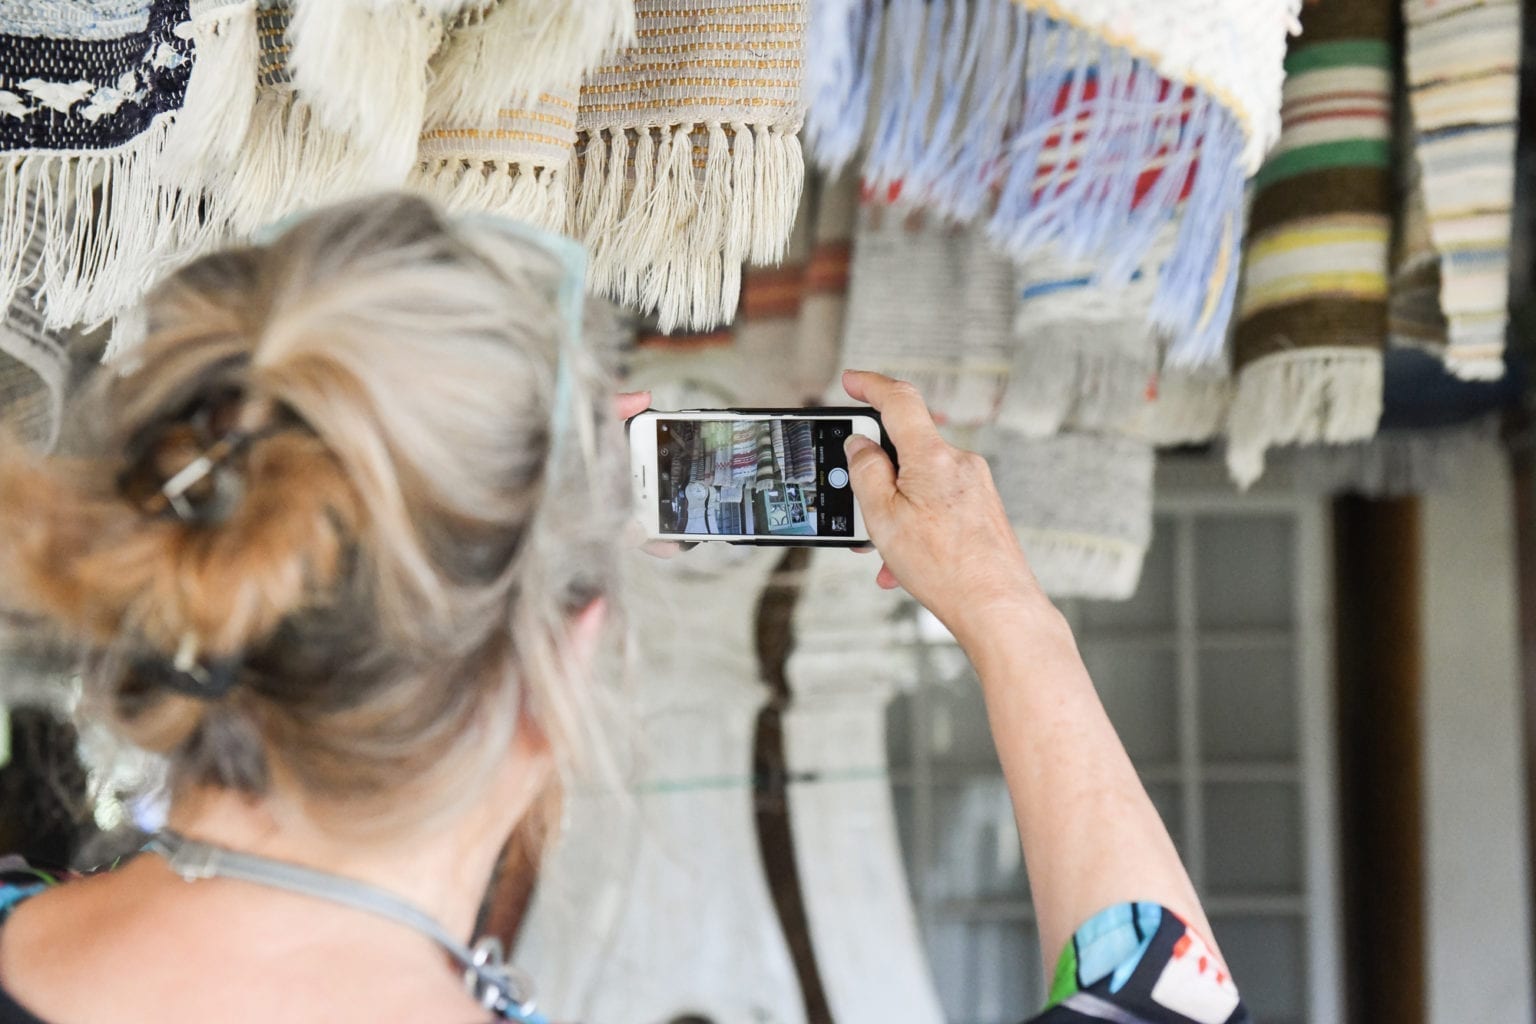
[{"x": 838, "y": 477}]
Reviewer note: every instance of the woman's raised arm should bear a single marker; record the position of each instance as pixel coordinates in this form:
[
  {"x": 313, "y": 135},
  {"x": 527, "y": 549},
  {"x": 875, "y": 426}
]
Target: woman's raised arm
[{"x": 1091, "y": 836}]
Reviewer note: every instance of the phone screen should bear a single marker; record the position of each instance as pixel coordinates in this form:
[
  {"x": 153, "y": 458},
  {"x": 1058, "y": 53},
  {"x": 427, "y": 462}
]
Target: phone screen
[{"x": 778, "y": 477}]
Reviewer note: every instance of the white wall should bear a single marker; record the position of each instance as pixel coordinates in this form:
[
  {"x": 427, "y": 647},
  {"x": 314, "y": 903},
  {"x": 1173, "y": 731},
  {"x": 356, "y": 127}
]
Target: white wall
[{"x": 1477, "y": 886}]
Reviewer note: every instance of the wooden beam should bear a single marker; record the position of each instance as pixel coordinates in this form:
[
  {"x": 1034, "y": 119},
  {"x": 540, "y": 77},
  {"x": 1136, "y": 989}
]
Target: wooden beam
[{"x": 1377, "y": 547}]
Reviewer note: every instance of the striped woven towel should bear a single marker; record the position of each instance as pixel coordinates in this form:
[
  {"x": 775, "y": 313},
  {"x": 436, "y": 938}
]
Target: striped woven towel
[
  {"x": 689, "y": 155},
  {"x": 1076, "y": 124},
  {"x": 1463, "y": 64},
  {"x": 1312, "y": 320}
]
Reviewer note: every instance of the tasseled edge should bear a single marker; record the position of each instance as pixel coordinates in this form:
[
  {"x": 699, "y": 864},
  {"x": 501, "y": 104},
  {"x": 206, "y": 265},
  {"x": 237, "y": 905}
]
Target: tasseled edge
[
  {"x": 221, "y": 91},
  {"x": 536, "y": 195},
  {"x": 1475, "y": 353},
  {"x": 841, "y": 40},
  {"x": 1188, "y": 406},
  {"x": 290, "y": 161},
  {"x": 1077, "y": 565},
  {"x": 968, "y": 117},
  {"x": 517, "y": 49},
  {"x": 965, "y": 393},
  {"x": 1059, "y": 382},
  {"x": 669, "y": 215},
  {"x": 1302, "y": 396},
  {"x": 108, "y": 227},
  {"x": 362, "y": 67}
]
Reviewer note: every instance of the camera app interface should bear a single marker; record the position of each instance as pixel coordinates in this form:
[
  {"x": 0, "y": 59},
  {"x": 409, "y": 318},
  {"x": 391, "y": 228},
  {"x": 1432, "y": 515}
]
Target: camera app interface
[{"x": 755, "y": 478}]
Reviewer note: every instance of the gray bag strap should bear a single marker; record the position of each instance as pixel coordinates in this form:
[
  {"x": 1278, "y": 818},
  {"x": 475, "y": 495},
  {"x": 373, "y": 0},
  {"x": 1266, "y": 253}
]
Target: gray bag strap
[{"x": 500, "y": 987}]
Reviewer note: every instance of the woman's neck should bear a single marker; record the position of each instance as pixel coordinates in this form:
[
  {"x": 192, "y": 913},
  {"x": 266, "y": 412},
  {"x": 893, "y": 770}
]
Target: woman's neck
[{"x": 443, "y": 870}]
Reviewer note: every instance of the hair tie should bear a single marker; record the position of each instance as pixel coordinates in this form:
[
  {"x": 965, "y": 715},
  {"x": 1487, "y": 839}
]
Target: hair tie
[{"x": 185, "y": 674}]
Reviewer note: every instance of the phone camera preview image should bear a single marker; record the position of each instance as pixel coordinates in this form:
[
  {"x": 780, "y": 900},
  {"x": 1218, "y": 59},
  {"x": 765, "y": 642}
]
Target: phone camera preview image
[{"x": 754, "y": 478}]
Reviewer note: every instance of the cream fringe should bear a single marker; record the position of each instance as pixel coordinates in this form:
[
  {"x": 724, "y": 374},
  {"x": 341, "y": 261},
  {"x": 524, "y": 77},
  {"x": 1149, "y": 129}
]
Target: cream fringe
[
  {"x": 538, "y": 197},
  {"x": 291, "y": 162},
  {"x": 667, "y": 237},
  {"x": 97, "y": 256},
  {"x": 1302, "y": 397},
  {"x": 1480, "y": 367},
  {"x": 1074, "y": 565},
  {"x": 221, "y": 93},
  {"x": 362, "y": 66},
  {"x": 1088, "y": 386},
  {"x": 535, "y": 46},
  {"x": 1190, "y": 408}
]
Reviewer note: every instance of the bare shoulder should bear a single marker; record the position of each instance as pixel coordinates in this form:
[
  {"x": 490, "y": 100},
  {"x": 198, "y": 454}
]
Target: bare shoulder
[{"x": 132, "y": 946}]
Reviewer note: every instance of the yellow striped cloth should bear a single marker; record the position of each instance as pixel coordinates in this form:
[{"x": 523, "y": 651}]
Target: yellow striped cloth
[{"x": 1312, "y": 310}]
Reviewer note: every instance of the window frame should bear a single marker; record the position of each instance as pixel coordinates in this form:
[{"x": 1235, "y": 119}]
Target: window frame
[{"x": 1197, "y": 492}]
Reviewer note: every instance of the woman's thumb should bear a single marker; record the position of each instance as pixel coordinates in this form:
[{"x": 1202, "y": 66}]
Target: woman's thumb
[{"x": 872, "y": 475}]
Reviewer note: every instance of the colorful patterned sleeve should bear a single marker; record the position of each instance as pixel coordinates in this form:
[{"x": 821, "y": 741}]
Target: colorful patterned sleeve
[{"x": 1139, "y": 963}]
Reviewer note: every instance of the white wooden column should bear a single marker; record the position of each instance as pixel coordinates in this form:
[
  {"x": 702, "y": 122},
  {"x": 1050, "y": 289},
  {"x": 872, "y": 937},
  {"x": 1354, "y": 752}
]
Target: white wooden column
[
  {"x": 648, "y": 911},
  {"x": 851, "y": 655}
]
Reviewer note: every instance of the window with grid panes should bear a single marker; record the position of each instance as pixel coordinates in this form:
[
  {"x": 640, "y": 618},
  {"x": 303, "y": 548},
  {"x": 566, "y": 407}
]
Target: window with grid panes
[{"x": 1216, "y": 676}]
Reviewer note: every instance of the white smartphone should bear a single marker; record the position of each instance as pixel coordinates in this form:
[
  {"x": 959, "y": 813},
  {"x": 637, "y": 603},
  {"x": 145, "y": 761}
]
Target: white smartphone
[{"x": 749, "y": 476}]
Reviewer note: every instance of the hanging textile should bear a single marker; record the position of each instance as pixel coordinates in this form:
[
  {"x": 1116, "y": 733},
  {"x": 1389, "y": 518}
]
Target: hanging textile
[
  {"x": 1312, "y": 321},
  {"x": 1084, "y": 358},
  {"x": 293, "y": 102},
  {"x": 87, "y": 97},
  {"x": 503, "y": 142},
  {"x": 1062, "y": 367},
  {"x": 1463, "y": 66},
  {"x": 201, "y": 122},
  {"x": 1080, "y": 124},
  {"x": 1081, "y": 505},
  {"x": 931, "y": 303},
  {"x": 516, "y": 166},
  {"x": 689, "y": 157}
]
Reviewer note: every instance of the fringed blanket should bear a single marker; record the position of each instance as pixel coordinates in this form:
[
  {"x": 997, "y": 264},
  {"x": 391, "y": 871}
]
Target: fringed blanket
[
  {"x": 676, "y": 162},
  {"x": 201, "y": 122},
  {"x": 1073, "y": 124},
  {"x": 1463, "y": 64},
  {"x": 689, "y": 155},
  {"x": 1313, "y": 316},
  {"x": 87, "y": 95}
]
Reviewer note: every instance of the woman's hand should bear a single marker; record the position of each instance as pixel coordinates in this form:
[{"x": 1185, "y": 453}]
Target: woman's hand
[
  {"x": 629, "y": 404},
  {"x": 938, "y": 522},
  {"x": 626, "y": 405}
]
